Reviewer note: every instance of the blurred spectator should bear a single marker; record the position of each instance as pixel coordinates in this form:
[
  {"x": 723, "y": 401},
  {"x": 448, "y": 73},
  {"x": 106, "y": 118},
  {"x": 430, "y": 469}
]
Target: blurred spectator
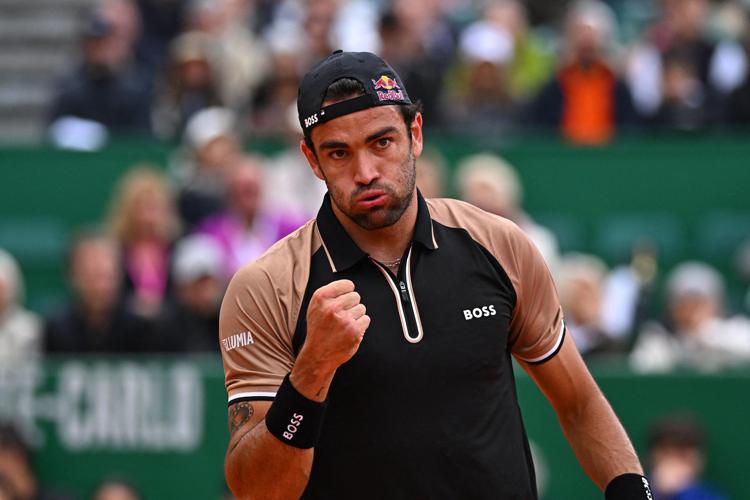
[
  {"x": 210, "y": 147},
  {"x": 191, "y": 322},
  {"x": 162, "y": 21},
  {"x": 628, "y": 292},
  {"x": 319, "y": 18},
  {"x": 144, "y": 222},
  {"x": 682, "y": 26},
  {"x": 237, "y": 57},
  {"x": 96, "y": 319},
  {"x": 490, "y": 183},
  {"x": 20, "y": 349},
  {"x": 420, "y": 65},
  {"x": 125, "y": 20},
  {"x": 106, "y": 88},
  {"x": 116, "y": 489},
  {"x": 20, "y": 482},
  {"x": 304, "y": 29},
  {"x": 580, "y": 282},
  {"x": 483, "y": 106},
  {"x": 683, "y": 105},
  {"x": 586, "y": 100},
  {"x": 426, "y": 19},
  {"x": 355, "y": 27},
  {"x": 698, "y": 335},
  {"x": 20, "y": 330},
  {"x": 677, "y": 74},
  {"x": 295, "y": 189},
  {"x": 244, "y": 231},
  {"x": 278, "y": 93},
  {"x": 532, "y": 62},
  {"x": 431, "y": 173},
  {"x": 677, "y": 458},
  {"x": 738, "y": 105},
  {"x": 189, "y": 87}
]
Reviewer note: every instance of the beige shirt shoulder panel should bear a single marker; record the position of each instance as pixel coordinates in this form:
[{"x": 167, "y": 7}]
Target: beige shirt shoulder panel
[
  {"x": 536, "y": 328},
  {"x": 260, "y": 312}
]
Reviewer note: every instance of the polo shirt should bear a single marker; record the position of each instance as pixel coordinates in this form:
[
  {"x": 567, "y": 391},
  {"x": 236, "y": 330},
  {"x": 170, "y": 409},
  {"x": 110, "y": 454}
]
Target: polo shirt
[{"x": 427, "y": 407}]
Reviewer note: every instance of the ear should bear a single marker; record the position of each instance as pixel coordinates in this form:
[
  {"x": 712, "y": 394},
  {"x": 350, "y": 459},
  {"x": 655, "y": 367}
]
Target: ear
[
  {"x": 416, "y": 135},
  {"x": 312, "y": 160}
]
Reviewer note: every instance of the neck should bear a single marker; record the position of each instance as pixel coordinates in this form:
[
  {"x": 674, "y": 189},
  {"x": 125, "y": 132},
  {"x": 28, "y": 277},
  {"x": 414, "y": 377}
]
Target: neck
[{"x": 387, "y": 243}]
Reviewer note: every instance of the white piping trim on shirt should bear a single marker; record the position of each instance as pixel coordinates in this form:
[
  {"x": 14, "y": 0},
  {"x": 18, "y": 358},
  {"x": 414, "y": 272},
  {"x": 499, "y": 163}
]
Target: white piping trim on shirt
[
  {"x": 401, "y": 316},
  {"x": 551, "y": 351},
  {"x": 330, "y": 260},
  {"x": 252, "y": 395},
  {"x": 416, "y": 339},
  {"x": 432, "y": 229}
]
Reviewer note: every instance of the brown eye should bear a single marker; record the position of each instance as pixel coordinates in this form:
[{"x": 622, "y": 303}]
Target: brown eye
[{"x": 383, "y": 142}]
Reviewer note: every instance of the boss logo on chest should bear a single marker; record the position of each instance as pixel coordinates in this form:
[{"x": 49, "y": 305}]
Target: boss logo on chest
[{"x": 479, "y": 312}]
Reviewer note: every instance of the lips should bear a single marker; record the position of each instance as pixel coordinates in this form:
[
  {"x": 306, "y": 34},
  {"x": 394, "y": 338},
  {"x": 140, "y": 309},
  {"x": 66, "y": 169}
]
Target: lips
[{"x": 370, "y": 199}]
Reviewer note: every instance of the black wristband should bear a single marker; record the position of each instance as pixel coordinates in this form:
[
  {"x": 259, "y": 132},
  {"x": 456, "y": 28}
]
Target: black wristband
[
  {"x": 294, "y": 419},
  {"x": 628, "y": 487}
]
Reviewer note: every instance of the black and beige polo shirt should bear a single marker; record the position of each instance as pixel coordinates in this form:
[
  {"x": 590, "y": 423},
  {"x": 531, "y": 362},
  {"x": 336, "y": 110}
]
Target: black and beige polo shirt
[{"x": 427, "y": 406}]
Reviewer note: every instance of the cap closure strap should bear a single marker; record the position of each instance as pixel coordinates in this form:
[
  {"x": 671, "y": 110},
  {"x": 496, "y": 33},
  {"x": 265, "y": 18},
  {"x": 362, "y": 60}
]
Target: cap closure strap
[{"x": 345, "y": 107}]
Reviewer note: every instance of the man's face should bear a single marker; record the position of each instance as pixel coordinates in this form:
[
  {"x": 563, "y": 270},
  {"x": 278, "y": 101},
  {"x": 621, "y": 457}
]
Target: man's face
[
  {"x": 367, "y": 160},
  {"x": 245, "y": 189},
  {"x": 691, "y": 311},
  {"x": 96, "y": 274},
  {"x": 202, "y": 295}
]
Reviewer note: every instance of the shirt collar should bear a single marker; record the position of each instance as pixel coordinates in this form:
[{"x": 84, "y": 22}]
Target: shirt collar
[{"x": 341, "y": 250}]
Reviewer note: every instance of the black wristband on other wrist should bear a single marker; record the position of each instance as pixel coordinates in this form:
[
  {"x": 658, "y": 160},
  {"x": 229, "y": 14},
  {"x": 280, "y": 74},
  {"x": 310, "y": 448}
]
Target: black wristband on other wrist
[
  {"x": 294, "y": 419},
  {"x": 628, "y": 487}
]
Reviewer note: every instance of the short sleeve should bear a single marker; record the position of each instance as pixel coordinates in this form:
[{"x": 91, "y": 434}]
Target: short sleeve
[
  {"x": 254, "y": 336},
  {"x": 537, "y": 327}
]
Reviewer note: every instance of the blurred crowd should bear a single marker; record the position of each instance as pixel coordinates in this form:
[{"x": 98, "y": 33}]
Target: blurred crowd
[
  {"x": 149, "y": 274},
  {"x": 19, "y": 481},
  {"x": 585, "y": 68}
]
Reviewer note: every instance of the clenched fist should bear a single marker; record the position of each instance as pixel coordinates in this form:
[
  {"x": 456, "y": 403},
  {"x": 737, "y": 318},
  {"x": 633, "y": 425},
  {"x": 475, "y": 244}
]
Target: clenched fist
[{"x": 336, "y": 324}]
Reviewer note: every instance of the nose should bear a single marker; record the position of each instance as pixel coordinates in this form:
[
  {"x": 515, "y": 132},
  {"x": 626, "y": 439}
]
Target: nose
[{"x": 366, "y": 170}]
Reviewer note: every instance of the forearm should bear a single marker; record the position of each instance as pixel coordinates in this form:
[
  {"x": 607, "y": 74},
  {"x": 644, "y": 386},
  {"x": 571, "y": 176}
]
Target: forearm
[
  {"x": 599, "y": 441},
  {"x": 588, "y": 421},
  {"x": 271, "y": 445},
  {"x": 259, "y": 466}
]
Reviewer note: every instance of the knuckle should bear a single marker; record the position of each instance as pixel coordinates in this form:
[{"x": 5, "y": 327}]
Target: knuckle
[{"x": 328, "y": 309}]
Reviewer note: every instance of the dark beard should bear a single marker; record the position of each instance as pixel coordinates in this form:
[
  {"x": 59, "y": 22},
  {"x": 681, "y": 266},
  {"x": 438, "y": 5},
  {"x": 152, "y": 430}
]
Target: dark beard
[{"x": 391, "y": 213}]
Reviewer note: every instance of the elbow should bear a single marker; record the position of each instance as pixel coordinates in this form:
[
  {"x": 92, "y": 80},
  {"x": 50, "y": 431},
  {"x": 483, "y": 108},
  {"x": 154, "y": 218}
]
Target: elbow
[
  {"x": 231, "y": 477},
  {"x": 237, "y": 486}
]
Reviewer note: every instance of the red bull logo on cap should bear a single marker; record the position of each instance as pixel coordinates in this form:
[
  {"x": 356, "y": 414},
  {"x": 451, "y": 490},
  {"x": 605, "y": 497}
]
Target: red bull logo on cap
[{"x": 387, "y": 89}]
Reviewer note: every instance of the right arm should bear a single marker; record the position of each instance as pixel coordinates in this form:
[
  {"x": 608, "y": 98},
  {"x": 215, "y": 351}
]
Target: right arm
[{"x": 258, "y": 465}]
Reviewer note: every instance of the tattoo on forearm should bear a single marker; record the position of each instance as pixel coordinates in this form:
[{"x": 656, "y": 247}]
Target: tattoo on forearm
[{"x": 239, "y": 415}]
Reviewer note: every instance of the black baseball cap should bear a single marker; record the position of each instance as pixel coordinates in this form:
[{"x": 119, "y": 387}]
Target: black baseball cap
[{"x": 383, "y": 87}]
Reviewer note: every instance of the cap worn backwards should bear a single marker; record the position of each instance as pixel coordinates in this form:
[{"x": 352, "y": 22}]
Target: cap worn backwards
[{"x": 382, "y": 86}]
